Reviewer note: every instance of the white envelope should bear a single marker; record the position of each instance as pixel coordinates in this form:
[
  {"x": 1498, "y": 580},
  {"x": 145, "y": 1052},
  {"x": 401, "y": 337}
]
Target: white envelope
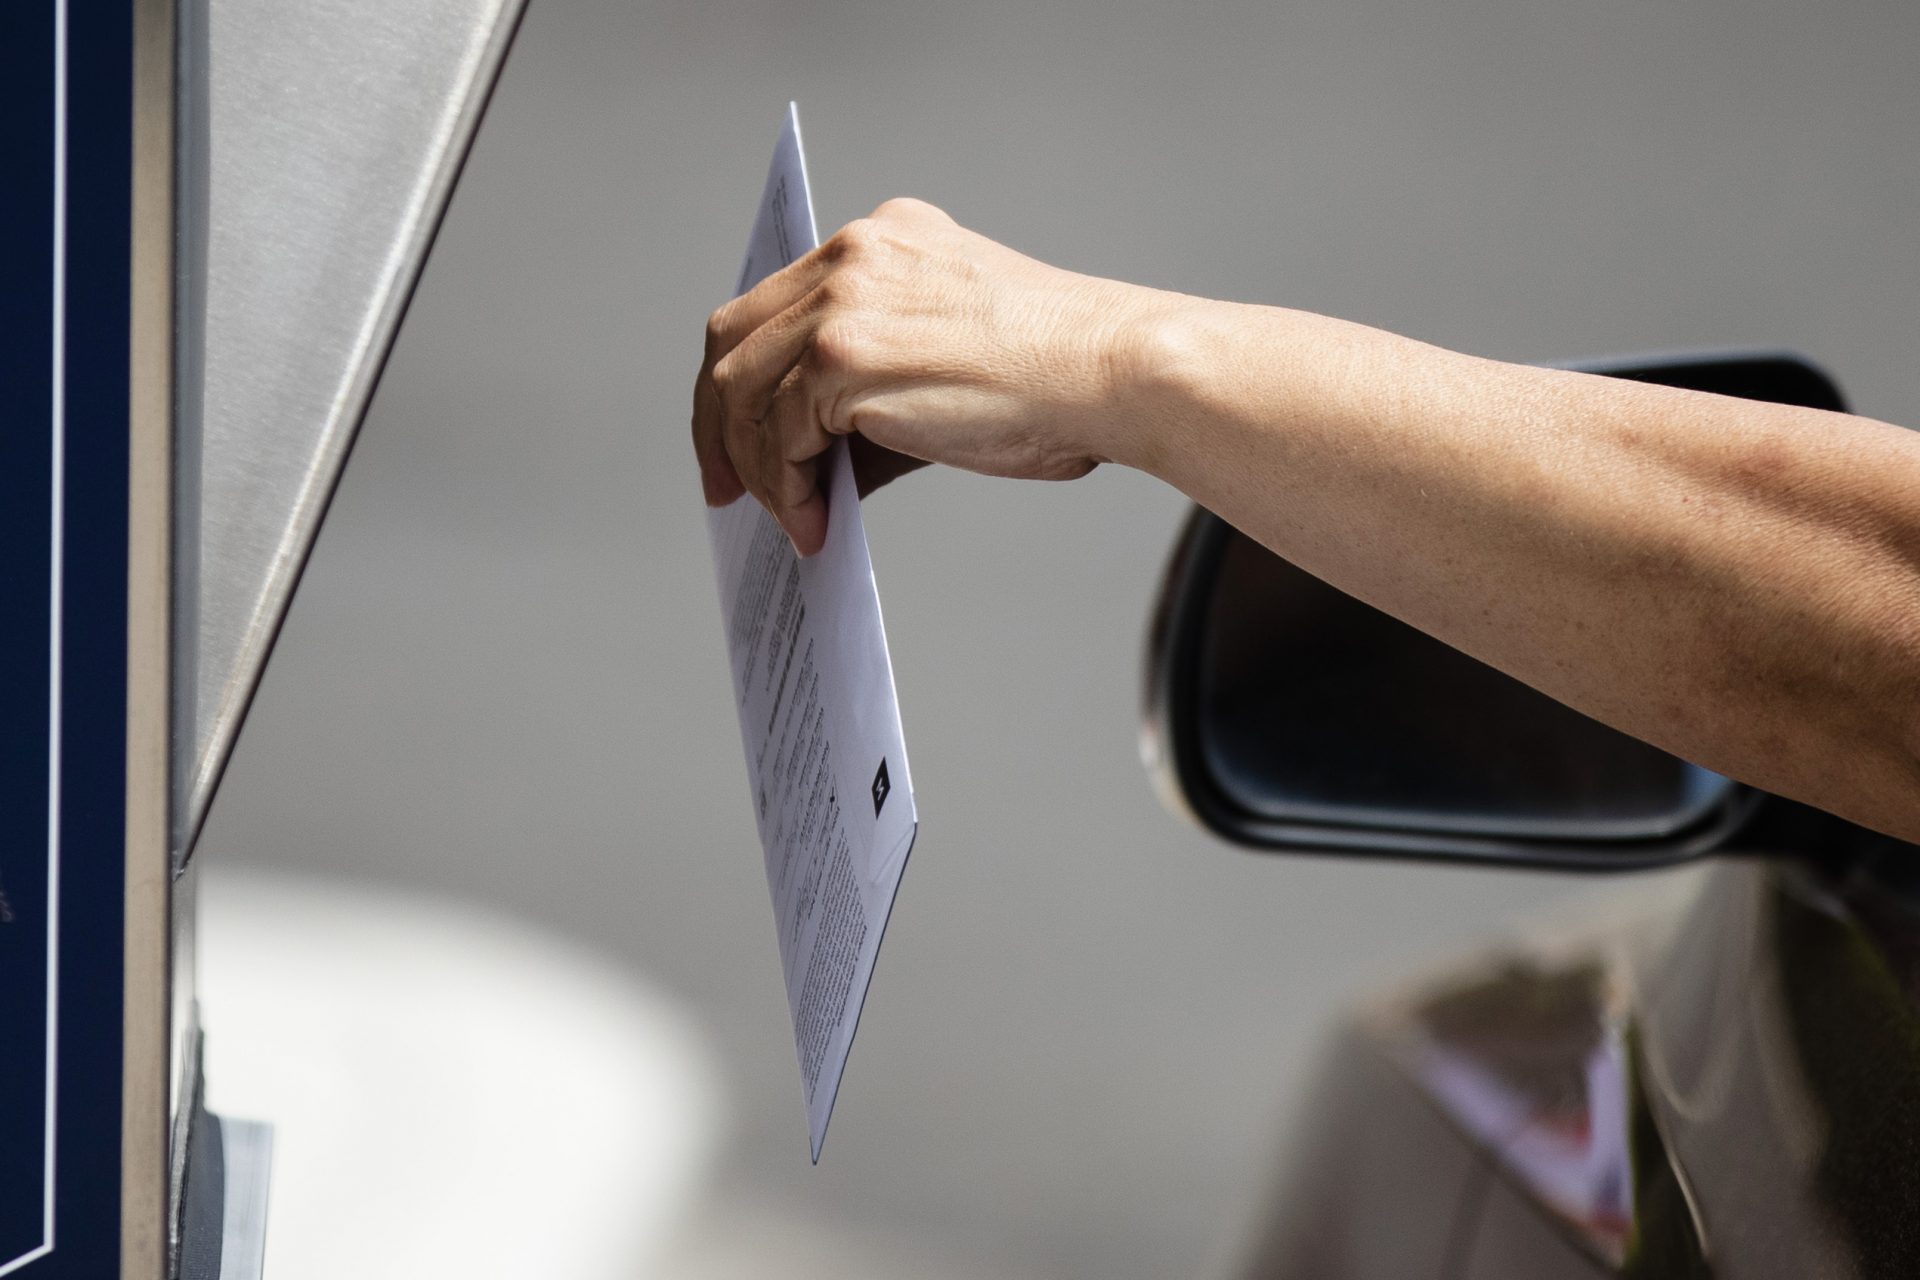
[{"x": 826, "y": 762}]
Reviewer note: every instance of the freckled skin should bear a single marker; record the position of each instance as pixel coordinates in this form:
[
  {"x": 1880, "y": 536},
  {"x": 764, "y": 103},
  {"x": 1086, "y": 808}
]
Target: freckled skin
[{"x": 1738, "y": 583}]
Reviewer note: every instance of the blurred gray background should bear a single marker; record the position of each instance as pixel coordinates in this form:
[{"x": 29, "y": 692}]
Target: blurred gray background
[{"x": 501, "y": 679}]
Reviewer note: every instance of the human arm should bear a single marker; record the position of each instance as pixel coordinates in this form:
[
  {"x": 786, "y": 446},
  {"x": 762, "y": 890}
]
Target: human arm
[{"x": 1737, "y": 583}]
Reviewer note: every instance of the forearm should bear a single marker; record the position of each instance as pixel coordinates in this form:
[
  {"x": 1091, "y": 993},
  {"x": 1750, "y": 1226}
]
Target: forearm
[{"x": 1737, "y": 583}]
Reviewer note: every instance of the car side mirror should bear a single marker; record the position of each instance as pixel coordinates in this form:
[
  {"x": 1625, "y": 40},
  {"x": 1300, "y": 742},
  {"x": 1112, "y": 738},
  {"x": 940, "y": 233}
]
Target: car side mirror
[{"x": 1284, "y": 714}]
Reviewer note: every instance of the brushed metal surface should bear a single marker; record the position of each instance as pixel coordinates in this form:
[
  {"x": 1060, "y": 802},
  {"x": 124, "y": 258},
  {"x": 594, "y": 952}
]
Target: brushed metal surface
[{"x": 339, "y": 128}]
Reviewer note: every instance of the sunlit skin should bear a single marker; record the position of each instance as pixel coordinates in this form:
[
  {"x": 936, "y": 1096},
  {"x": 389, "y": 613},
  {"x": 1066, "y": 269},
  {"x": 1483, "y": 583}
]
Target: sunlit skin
[{"x": 1738, "y": 583}]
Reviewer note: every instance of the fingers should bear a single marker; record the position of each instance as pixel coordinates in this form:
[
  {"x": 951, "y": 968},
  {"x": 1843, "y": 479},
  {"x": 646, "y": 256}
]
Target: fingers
[
  {"x": 729, "y": 325},
  {"x": 763, "y": 398},
  {"x": 850, "y": 246},
  {"x": 719, "y": 482},
  {"x": 793, "y": 443},
  {"x": 778, "y": 459},
  {"x": 732, "y": 395},
  {"x": 727, "y": 328},
  {"x": 775, "y": 358}
]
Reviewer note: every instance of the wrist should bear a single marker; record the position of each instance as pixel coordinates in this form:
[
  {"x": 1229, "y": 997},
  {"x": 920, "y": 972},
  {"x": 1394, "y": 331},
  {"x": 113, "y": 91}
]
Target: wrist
[
  {"x": 1174, "y": 363},
  {"x": 1201, "y": 381}
]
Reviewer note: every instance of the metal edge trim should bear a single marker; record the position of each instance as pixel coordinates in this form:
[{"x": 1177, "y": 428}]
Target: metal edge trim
[
  {"x": 148, "y": 864},
  {"x": 187, "y": 1046}
]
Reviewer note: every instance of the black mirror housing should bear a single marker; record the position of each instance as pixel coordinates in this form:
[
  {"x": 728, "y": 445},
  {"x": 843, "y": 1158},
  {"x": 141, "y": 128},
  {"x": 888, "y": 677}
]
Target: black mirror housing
[{"x": 1284, "y": 714}]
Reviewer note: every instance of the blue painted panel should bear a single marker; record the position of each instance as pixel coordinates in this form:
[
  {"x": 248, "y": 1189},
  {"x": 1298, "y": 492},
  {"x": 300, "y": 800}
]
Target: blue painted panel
[{"x": 66, "y": 230}]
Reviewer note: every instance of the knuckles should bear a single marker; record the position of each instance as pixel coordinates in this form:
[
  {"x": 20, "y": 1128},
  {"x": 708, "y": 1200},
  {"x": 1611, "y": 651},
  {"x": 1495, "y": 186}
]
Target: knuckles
[
  {"x": 833, "y": 292},
  {"x": 872, "y": 262},
  {"x": 835, "y": 347},
  {"x": 856, "y": 240},
  {"x": 717, "y": 328},
  {"x": 908, "y": 209},
  {"x": 726, "y": 386}
]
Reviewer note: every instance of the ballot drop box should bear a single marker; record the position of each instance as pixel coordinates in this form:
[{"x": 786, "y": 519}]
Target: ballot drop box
[{"x": 213, "y": 217}]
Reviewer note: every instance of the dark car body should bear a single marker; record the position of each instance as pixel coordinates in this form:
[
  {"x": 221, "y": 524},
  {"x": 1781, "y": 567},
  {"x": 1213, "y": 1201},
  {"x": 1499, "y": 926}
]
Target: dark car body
[
  {"x": 1713, "y": 1071},
  {"x": 1722, "y": 1082}
]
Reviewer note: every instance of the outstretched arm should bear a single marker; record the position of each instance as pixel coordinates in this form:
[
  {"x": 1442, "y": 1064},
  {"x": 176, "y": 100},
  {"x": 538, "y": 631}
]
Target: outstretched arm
[{"x": 1738, "y": 583}]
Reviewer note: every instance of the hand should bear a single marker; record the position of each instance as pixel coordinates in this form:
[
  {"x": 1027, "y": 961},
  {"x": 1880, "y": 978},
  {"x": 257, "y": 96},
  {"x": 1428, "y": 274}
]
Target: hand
[{"x": 921, "y": 341}]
